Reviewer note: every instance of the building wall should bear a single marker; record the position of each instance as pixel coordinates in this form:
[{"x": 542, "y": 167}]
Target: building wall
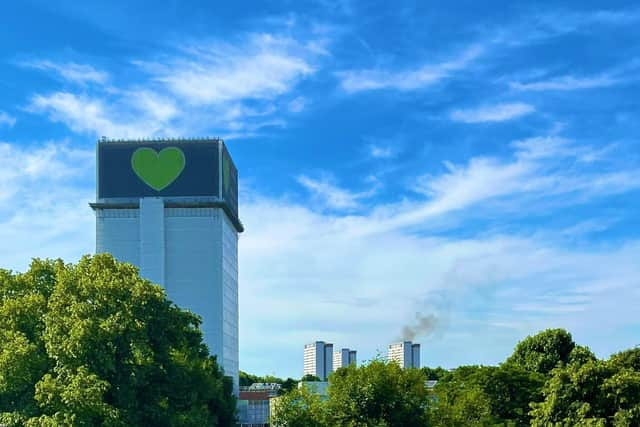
[
  {"x": 337, "y": 359},
  {"x": 318, "y": 359},
  {"x": 343, "y": 358},
  {"x": 118, "y": 232},
  {"x": 328, "y": 361},
  {"x": 353, "y": 359},
  {"x": 192, "y": 253},
  {"x": 310, "y": 361},
  {"x": 406, "y": 351},
  {"x": 320, "y": 366},
  {"x": 406, "y": 354},
  {"x": 415, "y": 355},
  {"x": 230, "y": 312},
  {"x": 396, "y": 353}
]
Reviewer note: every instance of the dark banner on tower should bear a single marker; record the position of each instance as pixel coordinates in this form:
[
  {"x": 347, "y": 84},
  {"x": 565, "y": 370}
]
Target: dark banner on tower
[
  {"x": 133, "y": 169},
  {"x": 229, "y": 182}
]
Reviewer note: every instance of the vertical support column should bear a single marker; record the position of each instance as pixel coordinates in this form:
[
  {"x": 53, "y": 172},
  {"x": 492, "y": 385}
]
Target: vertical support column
[{"x": 152, "y": 240}]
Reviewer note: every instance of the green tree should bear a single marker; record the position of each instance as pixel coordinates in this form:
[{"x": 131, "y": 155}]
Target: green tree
[
  {"x": 598, "y": 392},
  {"x": 460, "y": 405},
  {"x": 299, "y": 408},
  {"x": 94, "y": 344},
  {"x": 506, "y": 391},
  {"x": 246, "y": 379},
  {"x": 309, "y": 377},
  {"x": 288, "y": 385},
  {"x": 434, "y": 373},
  {"x": 377, "y": 394},
  {"x": 544, "y": 351}
]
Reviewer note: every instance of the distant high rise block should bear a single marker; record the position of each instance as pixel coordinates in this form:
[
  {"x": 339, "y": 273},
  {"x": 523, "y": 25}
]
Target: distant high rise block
[
  {"x": 318, "y": 359},
  {"x": 406, "y": 354},
  {"x": 343, "y": 358},
  {"x": 170, "y": 207}
]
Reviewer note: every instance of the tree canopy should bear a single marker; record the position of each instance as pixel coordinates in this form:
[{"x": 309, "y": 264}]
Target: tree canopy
[
  {"x": 375, "y": 394},
  {"x": 300, "y": 407},
  {"x": 484, "y": 395},
  {"x": 544, "y": 351},
  {"x": 94, "y": 344},
  {"x": 549, "y": 381},
  {"x": 598, "y": 393}
]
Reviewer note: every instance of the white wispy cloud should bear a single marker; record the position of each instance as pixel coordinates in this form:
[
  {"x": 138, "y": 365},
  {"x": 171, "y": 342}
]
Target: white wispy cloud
[
  {"x": 26, "y": 167},
  {"x": 375, "y": 263},
  {"x": 44, "y": 191},
  {"x": 227, "y": 88},
  {"x": 306, "y": 253},
  {"x": 333, "y": 196},
  {"x": 70, "y": 71},
  {"x": 84, "y": 114},
  {"x": 536, "y": 26},
  {"x": 381, "y": 152},
  {"x": 262, "y": 67},
  {"x": 405, "y": 80},
  {"x": 353, "y": 279},
  {"x": 297, "y": 104},
  {"x": 492, "y": 113},
  {"x": 565, "y": 83},
  {"x": 6, "y": 119},
  {"x": 565, "y": 21},
  {"x": 542, "y": 171}
]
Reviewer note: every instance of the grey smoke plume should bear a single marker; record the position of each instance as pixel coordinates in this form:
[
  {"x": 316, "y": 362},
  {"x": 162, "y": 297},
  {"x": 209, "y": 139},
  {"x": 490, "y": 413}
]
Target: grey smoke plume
[{"x": 423, "y": 325}]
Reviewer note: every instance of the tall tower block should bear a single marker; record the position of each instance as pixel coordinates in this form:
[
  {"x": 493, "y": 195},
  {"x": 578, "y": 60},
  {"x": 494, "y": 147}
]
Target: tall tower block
[{"x": 170, "y": 207}]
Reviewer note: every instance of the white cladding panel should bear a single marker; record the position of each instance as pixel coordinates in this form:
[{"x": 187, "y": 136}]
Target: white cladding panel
[
  {"x": 152, "y": 239},
  {"x": 193, "y": 253},
  {"x": 118, "y": 232},
  {"x": 230, "y": 313},
  {"x": 194, "y": 270}
]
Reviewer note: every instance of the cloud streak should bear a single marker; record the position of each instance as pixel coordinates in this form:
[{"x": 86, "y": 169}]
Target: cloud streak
[
  {"x": 492, "y": 113},
  {"x": 70, "y": 71},
  {"x": 353, "y": 81},
  {"x": 232, "y": 89},
  {"x": 7, "y": 120},
  {"x": 565, "y": 83},
  {"x": 263, "y": 67},
  {"x": 44, "y": 191},
  {"x": 333, "y": 196}
]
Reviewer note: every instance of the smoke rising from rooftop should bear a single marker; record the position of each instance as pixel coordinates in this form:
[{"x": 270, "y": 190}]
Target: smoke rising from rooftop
[{"x": 423, "y": 325}]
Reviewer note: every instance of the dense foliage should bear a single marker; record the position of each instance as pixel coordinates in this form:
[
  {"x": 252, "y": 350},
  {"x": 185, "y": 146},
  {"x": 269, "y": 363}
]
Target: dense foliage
[
  {"x": 596, "y": 393},
  {"x": 548, "y": 381},
  {"x": 544, "y": 351},
  {"x": 486, "y": 395},
  {"x": 300, "y": 408},
  {"x": 94, "y": 344},
  {"x": 375, "y": 394}
]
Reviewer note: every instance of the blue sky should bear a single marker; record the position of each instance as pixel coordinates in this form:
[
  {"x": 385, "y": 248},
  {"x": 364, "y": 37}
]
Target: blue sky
[{"x": 475, "y": 164}]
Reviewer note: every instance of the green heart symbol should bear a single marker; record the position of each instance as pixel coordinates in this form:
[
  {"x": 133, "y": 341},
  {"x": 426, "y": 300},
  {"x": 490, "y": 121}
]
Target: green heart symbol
[{"x": 158, "y": 170}]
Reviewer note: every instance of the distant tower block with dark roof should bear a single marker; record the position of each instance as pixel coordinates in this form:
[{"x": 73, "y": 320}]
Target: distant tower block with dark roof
[
  {"x": 405, "y": 353},
  {"x": 170, "y": 207},
  {"x": 318, "y": 359},
  {"x": 343, "y": 358}
]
